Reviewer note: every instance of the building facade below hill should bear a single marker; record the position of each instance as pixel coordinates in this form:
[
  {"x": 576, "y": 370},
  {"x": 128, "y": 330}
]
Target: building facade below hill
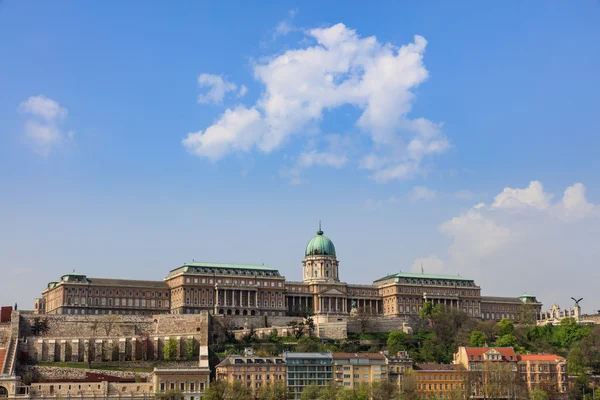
[{"x": 239, "y": 289}]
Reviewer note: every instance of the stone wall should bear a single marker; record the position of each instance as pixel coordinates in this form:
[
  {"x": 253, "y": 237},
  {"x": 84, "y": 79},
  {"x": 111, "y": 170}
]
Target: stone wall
[
  {"x": 4, "y": 335},
  {"x": 115, "y": 326},
  {"x": 255, "y": 321},
  {"x": 333, "y": 330},
  {"x": 65, "y": 374}
]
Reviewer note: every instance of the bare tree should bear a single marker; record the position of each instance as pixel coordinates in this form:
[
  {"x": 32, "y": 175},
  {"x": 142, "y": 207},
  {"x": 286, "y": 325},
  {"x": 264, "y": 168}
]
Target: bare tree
[
  {"x": 364, "y": 317},
  {"x": 110, "y": 322}
]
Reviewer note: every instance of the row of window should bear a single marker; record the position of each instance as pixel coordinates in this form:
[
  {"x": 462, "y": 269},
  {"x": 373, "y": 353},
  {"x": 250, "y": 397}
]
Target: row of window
[
  {"x": 434, "y": 386},
  {"x": 116, "y": 302},
  {"x": 183, "y": 386},
  {"x": 242, "y": 282},
  {"x": 117, "y": 292}
]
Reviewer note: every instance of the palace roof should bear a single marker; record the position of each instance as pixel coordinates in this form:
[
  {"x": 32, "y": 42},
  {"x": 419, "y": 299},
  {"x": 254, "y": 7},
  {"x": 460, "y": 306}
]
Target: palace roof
[{"x": 414, "y": 275}]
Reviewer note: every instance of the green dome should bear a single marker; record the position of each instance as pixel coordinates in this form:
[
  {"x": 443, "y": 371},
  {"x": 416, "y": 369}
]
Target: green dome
[{"x": 320, "y": 245}]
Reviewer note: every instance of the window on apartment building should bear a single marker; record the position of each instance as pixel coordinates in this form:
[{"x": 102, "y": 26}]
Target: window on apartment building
[{"x": 182, "y": 386}]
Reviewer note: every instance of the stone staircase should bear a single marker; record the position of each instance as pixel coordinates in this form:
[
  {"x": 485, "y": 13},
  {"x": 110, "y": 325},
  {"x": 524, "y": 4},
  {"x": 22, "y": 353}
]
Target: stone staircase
[{"x": 9, "y": 358}]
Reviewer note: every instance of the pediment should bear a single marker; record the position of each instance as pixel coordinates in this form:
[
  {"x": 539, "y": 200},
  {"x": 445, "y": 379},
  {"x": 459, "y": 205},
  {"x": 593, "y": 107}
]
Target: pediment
[{"x": 331, "y": 292}]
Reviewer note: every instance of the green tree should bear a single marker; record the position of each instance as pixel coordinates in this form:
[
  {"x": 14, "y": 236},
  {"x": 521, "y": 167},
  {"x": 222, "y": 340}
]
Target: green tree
[
  {"x": 307, "y": 344},
  {"x": 216, "y": 391},
  {"x": 505, "y": 327},
  {"x": 568, "y": 333},
  {"x": 538, "y": 394},
  {"x": 384, "y": 391},
  {"x": 426, "y": 310},
  {"x": 170, "y": 395},
  {"x": 478, "y": 339},
  {"x": 170, "y": 349},
  {"x": 311, "y": 392},
  {"x": 396, "y": 342},
  {"x": 508, "y": 340},
  {"x": 277, "y": 391},
  {"x": 191, "y": 349},
  {"x": 237, "y": 390}
]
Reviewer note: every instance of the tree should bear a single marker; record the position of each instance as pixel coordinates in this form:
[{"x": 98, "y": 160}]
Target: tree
[
  {"x": 40, "y": 326},
  {"x": 426, "y": 310},
  {"x": 310, "y": 324},
  {"x": 384, "y": 391},
  {"x": 505, "y": 327},
  {"x": 170, "y": 395},
  {"x": 109, "y": 322},
  {"x": 307, "y": 344},
  {"x": 216, "y": 391},
  {"x": 191, "y": 349},
  {"x": 508, "y": 340},
  {"x": 311, "y": 392},
  {"x": 297, "y": 328},
  {"x": 478, "y": 339},
  {"x": 538, "y": 394},
  {"x": 238, "y": 391},
  {"x": 364, "y": 317},
  {"x": 170, "y": 350},
  {"x": 396, "y": 342},
  {"x": 277, "y": 391}
]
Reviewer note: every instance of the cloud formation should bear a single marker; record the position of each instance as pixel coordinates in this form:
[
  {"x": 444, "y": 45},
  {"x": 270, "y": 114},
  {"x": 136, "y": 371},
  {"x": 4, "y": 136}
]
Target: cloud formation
[
  {"x": 42, "y": 129},
  {"x": 421, "y": 193},
  {"x": 218, "y": 88},
  {"x": 340, "y": 68},
  {"x": 525, "y": 234}
]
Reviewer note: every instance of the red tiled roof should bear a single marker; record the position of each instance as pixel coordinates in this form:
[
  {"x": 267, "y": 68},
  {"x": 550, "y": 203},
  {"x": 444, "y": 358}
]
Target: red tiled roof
[
  {"x": 370, "y": 356},
  {"x": 540, "y": 357},
  {"x": 2, "y": 357},
  {"x": 506, "y": 352}
]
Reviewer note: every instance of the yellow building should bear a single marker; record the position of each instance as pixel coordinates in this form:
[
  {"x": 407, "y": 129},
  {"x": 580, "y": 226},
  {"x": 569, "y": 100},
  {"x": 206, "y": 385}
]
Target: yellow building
[
  {"x": 440, "y": 380},
  {"x": 354, "y": 369},
  {"x": 252, "y": 371}
]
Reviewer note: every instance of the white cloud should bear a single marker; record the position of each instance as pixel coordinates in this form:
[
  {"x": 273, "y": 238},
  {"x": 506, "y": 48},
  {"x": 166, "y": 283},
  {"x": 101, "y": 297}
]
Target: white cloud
[
  {"x": 284, "y": 27},
  {"x": 532, "y": 196},
  {"x": 540, "y": 244},
  {"x": 314, "y": 157},
  {"x": 340, "y": 69},
  {"x": 44, "y": 134},
  {"x": 421, "y": 193},
  {"x": 243, "y": 90},
  {"x": 236, "y": 130},
  {"x": 429, "y": 265},
  {"x": 218, "y": 87},
  {"x": 44, "y": 107}
]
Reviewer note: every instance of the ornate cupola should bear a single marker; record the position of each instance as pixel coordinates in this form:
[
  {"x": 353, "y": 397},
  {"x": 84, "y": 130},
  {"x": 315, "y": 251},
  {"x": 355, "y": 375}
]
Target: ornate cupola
[{"x": 320, "y": 262}]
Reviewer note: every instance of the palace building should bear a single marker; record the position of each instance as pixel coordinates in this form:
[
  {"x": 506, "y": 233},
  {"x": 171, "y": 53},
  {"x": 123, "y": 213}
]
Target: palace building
[{"x": 240, "y": 289}]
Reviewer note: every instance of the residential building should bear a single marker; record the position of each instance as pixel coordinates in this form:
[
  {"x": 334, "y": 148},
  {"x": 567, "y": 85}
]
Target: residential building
[
  {"x": 305, "y": 369},
  {"x": 397, "y": 366},
  {"x": 355, "y": 369},
  {"x": 251, "y": 370},
  {"x": 190, "y": 382},
  {"x": 440, "y": 380},
  {"x": 544, "y": 371}
]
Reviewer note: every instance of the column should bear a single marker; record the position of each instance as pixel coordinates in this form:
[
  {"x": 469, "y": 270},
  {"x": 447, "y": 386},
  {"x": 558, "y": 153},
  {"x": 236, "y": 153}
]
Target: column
[
  {"x": 216, "y": 300},
  {"x": 293, "y": 303},
  {"x": 233, "y": 292},
  {"x": 63, "y": 350},
  {"x": 241, "y": 299},
  {"x": 256, "y": 299},
  {"x": 134, "y": 348},
  {"x": 75, "y": 350},
  {"x": 377, "y": 306},
  {"x": 122, "y": 348},
  {"x": 329, "y": 305},
  {"x": 51, "y": 350}
]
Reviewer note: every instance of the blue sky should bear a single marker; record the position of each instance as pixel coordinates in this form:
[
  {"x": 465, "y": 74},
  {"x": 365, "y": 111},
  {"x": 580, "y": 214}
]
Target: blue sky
[{"x": 117, "y": 159}]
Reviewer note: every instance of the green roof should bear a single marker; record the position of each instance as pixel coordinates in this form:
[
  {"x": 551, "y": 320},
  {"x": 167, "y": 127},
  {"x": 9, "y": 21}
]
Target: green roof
[
  {"x": 231, "y": 266},
  {"x": 320, "y": 245},
  {"x": 424, "y": 276}
]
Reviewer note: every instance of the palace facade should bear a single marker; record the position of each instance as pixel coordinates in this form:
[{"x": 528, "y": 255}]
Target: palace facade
[{"x": 239, "y": 289}]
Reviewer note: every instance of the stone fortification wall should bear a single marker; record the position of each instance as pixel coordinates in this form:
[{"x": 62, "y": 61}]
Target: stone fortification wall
[
  {"x": 79, "y": 338},
  {"x": 64, "y": 374},
  {"x": 4, "y": 335},
  {"x": 380, "y": 324},
  {"x": 255, "y": 321},
  {"x": 333, "y": 330}
]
